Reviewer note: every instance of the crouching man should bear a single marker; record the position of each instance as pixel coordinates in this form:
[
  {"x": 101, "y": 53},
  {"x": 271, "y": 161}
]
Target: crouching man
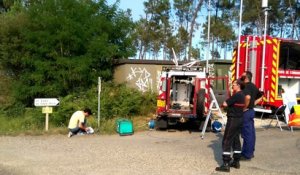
[{"x": 77, "y": 123}]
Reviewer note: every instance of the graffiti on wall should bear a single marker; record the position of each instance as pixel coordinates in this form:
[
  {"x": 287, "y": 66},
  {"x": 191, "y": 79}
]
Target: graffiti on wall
[
  {"x": 158, "y": 82},
  {"x": 211, "y": 70},
  {"x": 141, "y": 77}
]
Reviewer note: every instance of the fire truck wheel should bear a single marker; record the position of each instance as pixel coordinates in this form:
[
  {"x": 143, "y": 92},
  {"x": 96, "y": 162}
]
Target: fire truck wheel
[{"x": 200, "y": 103}]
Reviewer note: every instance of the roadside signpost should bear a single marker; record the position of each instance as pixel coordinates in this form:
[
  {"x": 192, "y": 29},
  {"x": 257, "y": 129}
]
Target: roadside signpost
[{"x": 47, "y": 104}]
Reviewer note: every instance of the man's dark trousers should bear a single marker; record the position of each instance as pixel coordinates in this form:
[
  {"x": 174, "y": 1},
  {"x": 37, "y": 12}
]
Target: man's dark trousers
[{"x": 248, "y": 134}]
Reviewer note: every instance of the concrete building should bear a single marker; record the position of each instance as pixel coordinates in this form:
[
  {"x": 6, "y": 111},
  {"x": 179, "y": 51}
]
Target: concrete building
[{"x": 144, "y": 74}]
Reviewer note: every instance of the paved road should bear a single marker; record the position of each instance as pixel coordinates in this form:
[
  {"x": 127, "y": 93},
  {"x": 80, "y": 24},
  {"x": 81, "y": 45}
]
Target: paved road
[{"x": 149, "y": 152}]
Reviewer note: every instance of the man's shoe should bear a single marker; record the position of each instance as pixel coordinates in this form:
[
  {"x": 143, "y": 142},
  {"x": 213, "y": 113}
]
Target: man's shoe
[
  {"x": 223, "y": 168},
  {"x": 244, "y": 159},
  {"x": 235, "y": 164},
  {"x": 70, "y": 134}
]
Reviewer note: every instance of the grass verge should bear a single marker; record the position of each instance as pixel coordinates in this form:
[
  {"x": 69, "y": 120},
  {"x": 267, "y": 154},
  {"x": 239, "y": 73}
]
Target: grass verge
[{"x": 30, "y": 126}]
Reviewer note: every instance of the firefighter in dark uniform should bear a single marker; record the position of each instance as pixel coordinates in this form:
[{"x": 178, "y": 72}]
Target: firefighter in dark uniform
[
  {"x": 252, "y": 97},
  {"x": 231, "y": 139}
]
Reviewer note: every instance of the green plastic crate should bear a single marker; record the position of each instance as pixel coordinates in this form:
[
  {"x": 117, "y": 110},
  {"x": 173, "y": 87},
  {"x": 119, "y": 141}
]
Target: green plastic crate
[{"x": 124, "y": 127}]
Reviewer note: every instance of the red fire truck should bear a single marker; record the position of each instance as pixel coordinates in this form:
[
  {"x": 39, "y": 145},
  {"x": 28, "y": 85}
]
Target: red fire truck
[
  {"x": 183, "y": 95},
  {"x": 278, "y": 69}
]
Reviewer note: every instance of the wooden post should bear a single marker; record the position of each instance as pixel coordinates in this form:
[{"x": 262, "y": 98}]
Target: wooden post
[
  {"x": 47, "y": 110},
  {"x": 47, "y": 121}
]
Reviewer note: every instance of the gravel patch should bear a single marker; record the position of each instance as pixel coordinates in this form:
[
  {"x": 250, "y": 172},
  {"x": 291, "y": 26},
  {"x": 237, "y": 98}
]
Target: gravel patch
[{"x": 144, "y": 153}]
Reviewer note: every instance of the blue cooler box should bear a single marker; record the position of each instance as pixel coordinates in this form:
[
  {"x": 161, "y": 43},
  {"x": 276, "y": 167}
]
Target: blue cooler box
[{"x": 124, "y": 127}]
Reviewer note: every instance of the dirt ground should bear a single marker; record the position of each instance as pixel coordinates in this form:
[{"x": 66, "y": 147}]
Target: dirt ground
[{"x": 148, "y": 152}]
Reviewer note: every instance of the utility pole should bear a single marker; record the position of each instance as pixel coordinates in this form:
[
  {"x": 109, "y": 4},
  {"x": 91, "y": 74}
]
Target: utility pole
[
  {"x": 208, "y": 41},
  {"x": 265, "y": 8},
  {"x": 239, "y": 42}
]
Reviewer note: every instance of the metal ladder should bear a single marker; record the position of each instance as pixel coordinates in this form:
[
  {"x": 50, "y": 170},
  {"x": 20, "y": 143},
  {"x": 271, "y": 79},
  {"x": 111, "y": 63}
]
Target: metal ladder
[{"x": 214, "y": 106}]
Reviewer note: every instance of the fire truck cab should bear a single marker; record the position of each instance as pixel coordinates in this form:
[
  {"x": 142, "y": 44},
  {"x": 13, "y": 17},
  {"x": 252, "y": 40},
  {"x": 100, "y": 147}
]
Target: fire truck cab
[{"x": 277, "y": 70}]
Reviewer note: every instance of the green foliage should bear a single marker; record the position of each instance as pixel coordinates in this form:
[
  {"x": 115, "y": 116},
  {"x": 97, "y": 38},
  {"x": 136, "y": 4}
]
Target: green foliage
[
  {"x": 183, "y": 11},
  {"x": 195, "y": 53},
  {"x": 117, "y": 101},
  {"x": 5, "y": 90},
  {"x": 108, "y": 126},
  {"x": 54, "y": 48},
  {"x": 15, "y": 110},
  {"x": 58, "y": 49},
  {"x": 31, "y": 119}
]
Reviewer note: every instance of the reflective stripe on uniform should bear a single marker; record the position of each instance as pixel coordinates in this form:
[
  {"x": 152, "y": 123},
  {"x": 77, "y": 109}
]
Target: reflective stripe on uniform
[{"x": 226, "y": 153}]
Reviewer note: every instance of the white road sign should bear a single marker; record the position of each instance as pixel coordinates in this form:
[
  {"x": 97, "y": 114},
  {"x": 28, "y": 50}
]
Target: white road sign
[{"x": 46, "y": 102}]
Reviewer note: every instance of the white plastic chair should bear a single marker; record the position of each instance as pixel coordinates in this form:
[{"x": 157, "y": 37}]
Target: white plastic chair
[{"x": 289, "y": 99}]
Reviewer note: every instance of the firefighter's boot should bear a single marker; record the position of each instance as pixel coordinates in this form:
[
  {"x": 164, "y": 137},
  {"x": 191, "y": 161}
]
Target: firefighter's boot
[
  {"x": 235, "y": 164},
  {"x": 224, "y": 168},
  {"x": 236, "y": 160}
]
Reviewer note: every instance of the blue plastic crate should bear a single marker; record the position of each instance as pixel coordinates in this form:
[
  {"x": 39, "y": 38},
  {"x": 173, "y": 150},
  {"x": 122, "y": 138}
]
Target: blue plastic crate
[{"x": 124, "y": 127}]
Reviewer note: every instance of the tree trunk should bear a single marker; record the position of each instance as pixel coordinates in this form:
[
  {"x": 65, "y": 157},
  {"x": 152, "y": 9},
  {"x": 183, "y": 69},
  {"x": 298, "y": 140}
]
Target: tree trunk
[{"x": 195, "y": 14}]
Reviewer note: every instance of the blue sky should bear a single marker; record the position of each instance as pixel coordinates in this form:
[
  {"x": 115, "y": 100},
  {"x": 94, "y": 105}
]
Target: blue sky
[{"x": 136, "y": 6}]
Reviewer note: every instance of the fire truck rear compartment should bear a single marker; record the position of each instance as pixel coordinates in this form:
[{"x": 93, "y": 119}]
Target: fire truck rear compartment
[
  {"x": 182, "y": 94},
  {"x": 289, "y": 62},
  {"x": 289, "y": 55}
]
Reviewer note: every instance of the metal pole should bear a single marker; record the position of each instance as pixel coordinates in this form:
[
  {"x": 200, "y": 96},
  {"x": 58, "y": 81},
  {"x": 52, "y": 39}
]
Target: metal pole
[
  {"x": 239, "y": 42},
  {"x": 264, "y": 52},
  {"x": 99, "y": 93},
  {"x": 208, "y": 41}
]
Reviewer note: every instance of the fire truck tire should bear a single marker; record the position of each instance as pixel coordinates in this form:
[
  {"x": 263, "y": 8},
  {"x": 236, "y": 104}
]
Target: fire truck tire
[{"x": 200, "y": 104}]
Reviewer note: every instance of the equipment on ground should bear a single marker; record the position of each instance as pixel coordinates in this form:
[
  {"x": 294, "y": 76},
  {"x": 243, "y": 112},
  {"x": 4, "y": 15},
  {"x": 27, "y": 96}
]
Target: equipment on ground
[
  {"x": 216, "y": 126},
  {"x": 151, "y": 124},
  {"x": 124, "y": 127}
]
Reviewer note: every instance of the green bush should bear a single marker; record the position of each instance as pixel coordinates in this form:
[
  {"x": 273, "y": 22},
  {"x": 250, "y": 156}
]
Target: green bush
[
  {"x": 14, "y": 110},
  {"x": 117, "y": 101},
  {"x": 121, "y": 101}
]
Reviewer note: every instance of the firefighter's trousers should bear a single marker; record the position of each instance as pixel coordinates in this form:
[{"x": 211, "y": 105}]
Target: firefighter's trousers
[
  {"x": 231, "y": 139},
  {"x": 248, "y": 134}
]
